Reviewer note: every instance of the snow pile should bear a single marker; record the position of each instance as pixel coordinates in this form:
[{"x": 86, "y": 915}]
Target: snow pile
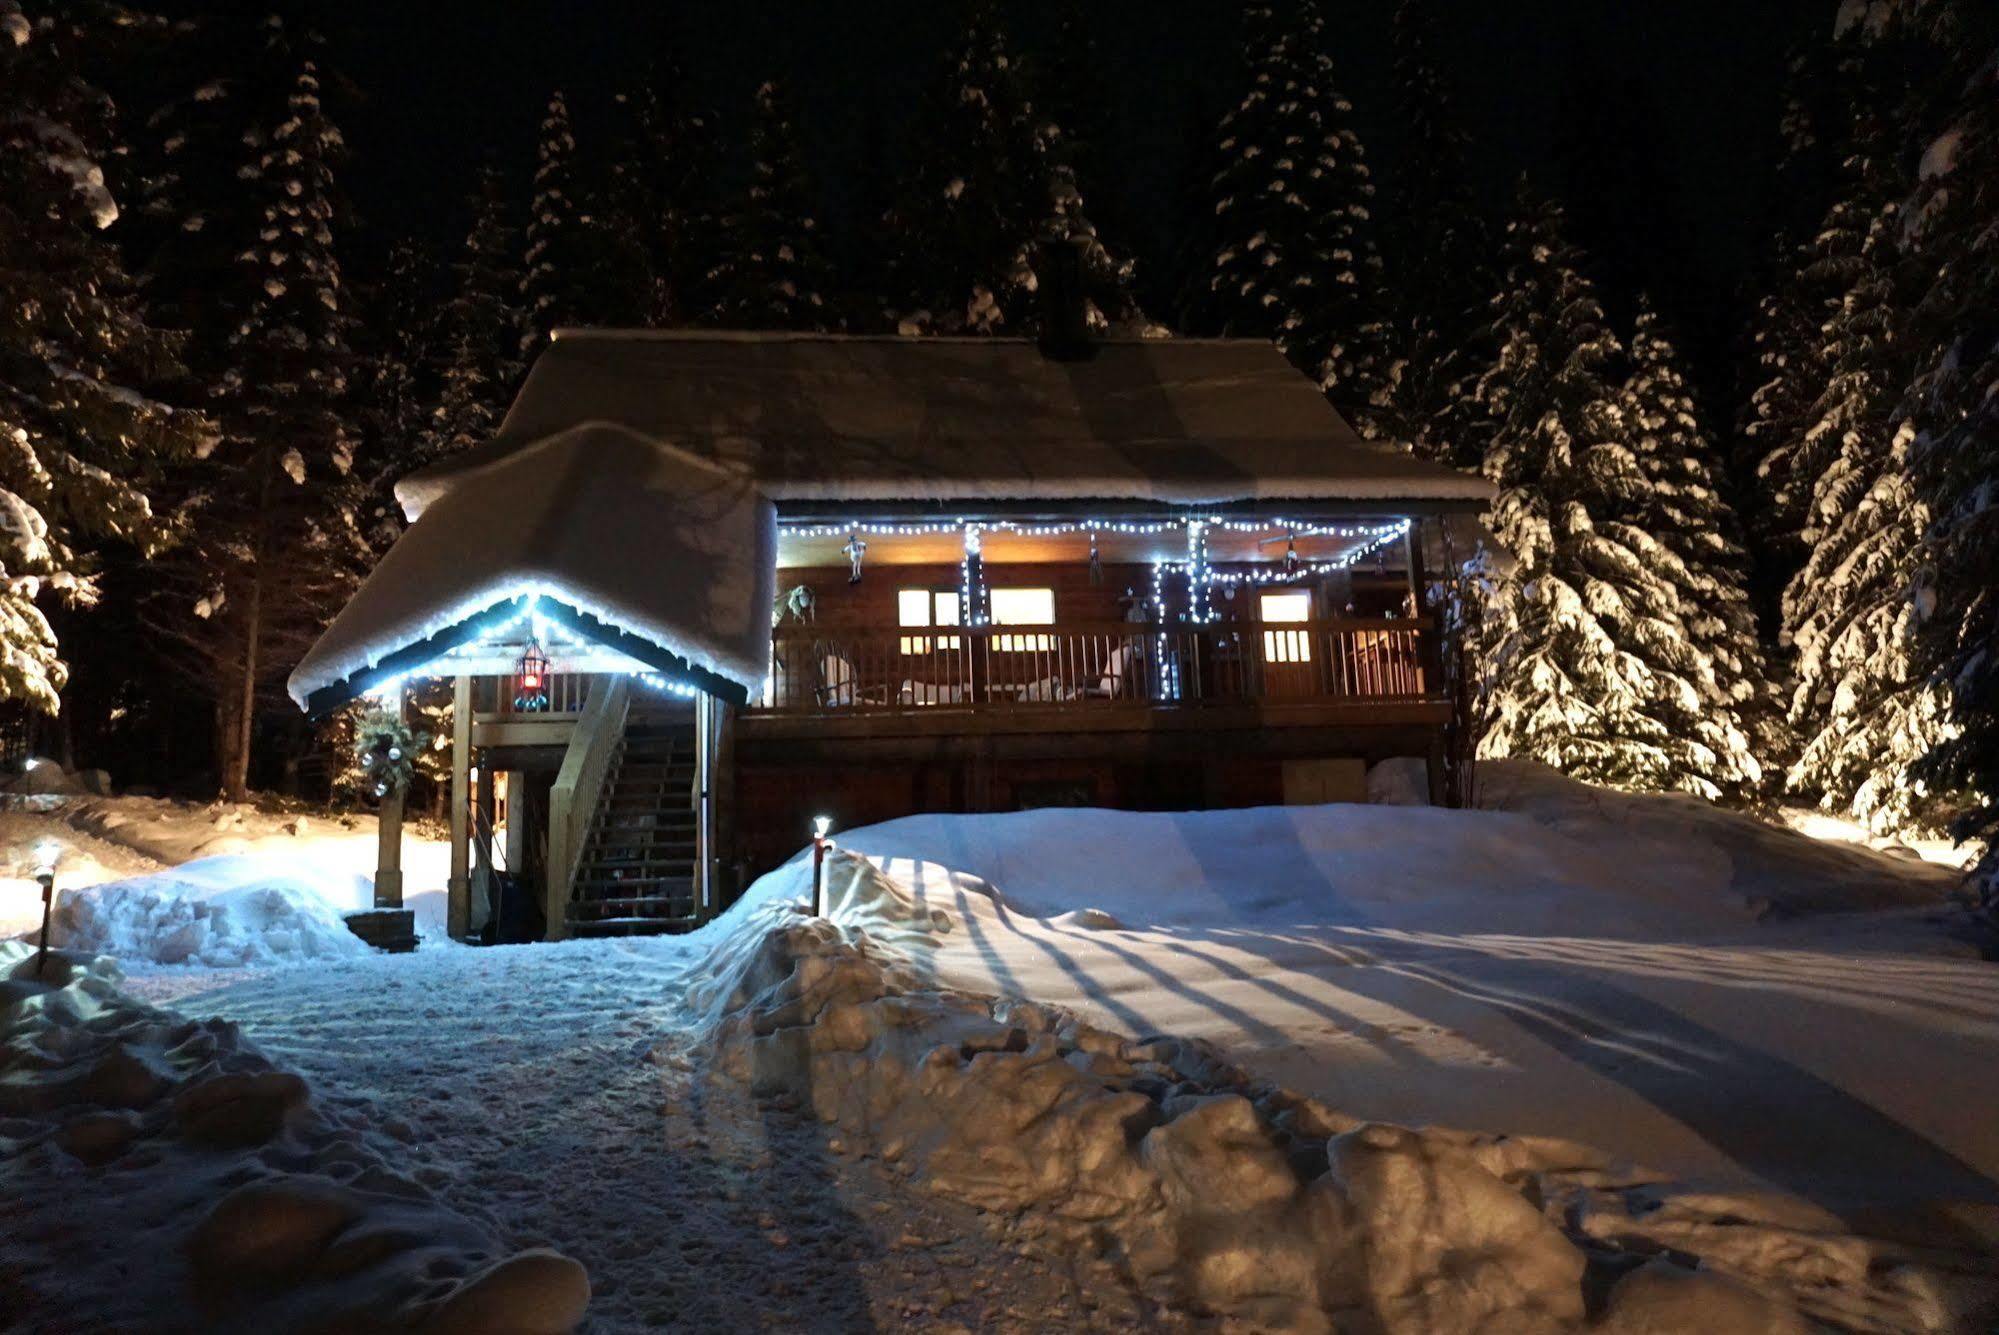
[
  {"x": 1236, "y": 1197},
  {"x": 219, "y": 912},
  {"x": 161, "y": 1174}
]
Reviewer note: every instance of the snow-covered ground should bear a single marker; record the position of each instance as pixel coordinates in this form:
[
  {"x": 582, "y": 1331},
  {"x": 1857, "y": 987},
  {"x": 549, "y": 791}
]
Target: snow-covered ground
[
  {"x": 217, "y": 882},
  {"x": 1783, "y": 1060}
]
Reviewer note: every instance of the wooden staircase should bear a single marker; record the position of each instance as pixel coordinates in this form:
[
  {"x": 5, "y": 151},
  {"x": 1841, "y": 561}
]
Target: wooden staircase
[{"x": 636, "y": 873}]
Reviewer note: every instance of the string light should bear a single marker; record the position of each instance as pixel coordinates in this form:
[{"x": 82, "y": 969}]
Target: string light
[{"x": 1060, "y": 528}]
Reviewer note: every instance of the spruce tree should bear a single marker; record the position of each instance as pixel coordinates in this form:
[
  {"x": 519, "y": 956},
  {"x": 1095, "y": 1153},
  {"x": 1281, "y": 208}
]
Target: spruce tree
[
  {"x": 1953, "y": 232},
  {"x": 663, "y": 225},
  {"x": 555, "y": 275},
  {"x": 478, "y": 330},
  {"x": 1686, "y": 511},
  {"x": 78, "y": 359},
  {"x": 1858, "y": 702},
  {"x": 1586, "y": 657},
  {"x": 278, "y": 511},
  {"x": 962, "y": 228},
  {"x": 1443, "y": 266},
  {"x": 772, "y": 273},
  {"x": 1292, "y": 256}
]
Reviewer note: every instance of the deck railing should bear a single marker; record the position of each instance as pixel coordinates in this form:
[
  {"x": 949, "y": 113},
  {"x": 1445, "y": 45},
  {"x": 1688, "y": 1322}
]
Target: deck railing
[
  {"x": 1085, "y": 666},
  {"x": 497, "y": 696}
]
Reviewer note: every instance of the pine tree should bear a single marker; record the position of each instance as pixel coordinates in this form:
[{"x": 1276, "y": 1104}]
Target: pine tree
[
  {"x": 663, "y": 225},
  {"x": 77, "y": 357},
  {"x": 962, "y": 228},
  {"x": 1954, "y": 233},
  {"x": 1293, "y": 257},
  {"x": 772, "y": 273},
  {"x": 1587, "y": 660},
  {"x": 1444, "y": 267},
  {"x": 1858, "y": 702},
  {"x": 278, "y": 510},
  {"x": 555, "y": 280},
  {"x": 1686, "y": 511},
  {"x": 478, "y": 331}
]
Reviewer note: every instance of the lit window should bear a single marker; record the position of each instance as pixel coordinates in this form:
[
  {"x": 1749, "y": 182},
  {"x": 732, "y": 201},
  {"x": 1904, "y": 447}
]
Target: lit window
[
  {"x": 927, "y": 607},
  {"x": 1023, "y": 607},
  {"x": 1286, "y": 646}
]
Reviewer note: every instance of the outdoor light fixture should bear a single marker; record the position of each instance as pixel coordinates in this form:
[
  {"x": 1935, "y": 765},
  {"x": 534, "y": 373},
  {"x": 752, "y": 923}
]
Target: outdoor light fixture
[
  {"x": 821, "y": 826},
  {"x": 46, "y": 854},
  {"x": 531, "y": 692}
]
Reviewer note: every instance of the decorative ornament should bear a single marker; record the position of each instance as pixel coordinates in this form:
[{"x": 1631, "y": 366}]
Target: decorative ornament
[
  {"x": 383, "y": 744},
  {"x": 1291, "y": 555},
  {"x": 531, "y": 680},
  {"x": 1096, "y": 561},
  {"x": 855, "y": 550}
]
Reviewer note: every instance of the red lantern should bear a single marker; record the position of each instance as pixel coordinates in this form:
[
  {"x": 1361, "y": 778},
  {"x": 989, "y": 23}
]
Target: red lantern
[{"x": 532, "y": 678}]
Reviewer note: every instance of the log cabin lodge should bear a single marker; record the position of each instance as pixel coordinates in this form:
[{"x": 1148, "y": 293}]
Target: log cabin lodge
[{"x": 703, "y": 587}]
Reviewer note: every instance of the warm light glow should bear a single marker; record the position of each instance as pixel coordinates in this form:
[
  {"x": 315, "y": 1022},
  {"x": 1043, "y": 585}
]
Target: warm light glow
[
  {"x": 46, "y": 854},
  {"x": 1023, "y": 607},
  {"x": 927, "y": 607},
  {"x": 29, "y": 764},
  {"x": 1286, "y": 646},
  {"x": 821, "y": 826}
]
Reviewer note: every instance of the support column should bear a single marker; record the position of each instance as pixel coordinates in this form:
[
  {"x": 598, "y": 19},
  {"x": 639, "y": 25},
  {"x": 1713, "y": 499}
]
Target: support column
[
  {"x": 484, "y": 805},
  {"x": 458, "y": 890},
  {"x": 389, "y": 838}
]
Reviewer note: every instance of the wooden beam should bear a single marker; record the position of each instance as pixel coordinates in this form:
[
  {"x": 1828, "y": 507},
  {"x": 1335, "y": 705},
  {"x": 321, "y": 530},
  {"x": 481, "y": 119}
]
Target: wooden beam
[
  {"x": 389, "y": 838},
  {"x": 458, "y": 890}
]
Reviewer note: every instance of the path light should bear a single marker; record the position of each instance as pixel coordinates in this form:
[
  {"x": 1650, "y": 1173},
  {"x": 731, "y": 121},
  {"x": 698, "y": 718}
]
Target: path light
[
  {"x": 821, "y": 827},
  {"x": 46, "y": 854}
]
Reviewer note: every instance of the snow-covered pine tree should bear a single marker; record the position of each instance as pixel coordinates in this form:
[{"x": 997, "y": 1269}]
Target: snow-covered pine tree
[
  {"x": 772, "y": 272},
  {"x": 1953, "y": 233},
  {"x": 478, "y": 330},
  {"x": 1293, "y": 256},
  {"x": 83, "y": 435},
  {"x": 961, "y": 230},
  {"x": 1587, "y": 663},
  {"x": 555, "y": 276},
  {"x": 1859, "y": 702},
  {"x": 1686, "y": 511},
  {"x": 661, "y": 210},
  {"x": 1444, "y": 264},
  {"x": 277, "y": 510}
]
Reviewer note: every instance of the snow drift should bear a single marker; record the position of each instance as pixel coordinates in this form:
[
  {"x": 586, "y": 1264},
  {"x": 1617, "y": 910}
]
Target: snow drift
[
  {"x": 1235, "y": 1197},
  {"x": 160, "y": 1174},
  {"x": 220, "y": 912}
]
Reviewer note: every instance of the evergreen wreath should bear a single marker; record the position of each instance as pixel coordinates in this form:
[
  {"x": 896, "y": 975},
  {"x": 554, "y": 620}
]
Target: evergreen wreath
[{"x": 386, "y": 748}]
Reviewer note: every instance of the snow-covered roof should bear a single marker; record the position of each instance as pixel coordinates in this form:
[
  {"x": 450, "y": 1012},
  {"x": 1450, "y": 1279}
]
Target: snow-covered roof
[
  {"x": 827, "y": 418},
  {"x": 636, "y": 548}
]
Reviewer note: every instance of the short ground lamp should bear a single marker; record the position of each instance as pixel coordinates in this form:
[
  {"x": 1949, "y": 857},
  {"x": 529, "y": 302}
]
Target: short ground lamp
[
  {"x": 821, "y": 826},
  {"x": 46, "y": 854}
]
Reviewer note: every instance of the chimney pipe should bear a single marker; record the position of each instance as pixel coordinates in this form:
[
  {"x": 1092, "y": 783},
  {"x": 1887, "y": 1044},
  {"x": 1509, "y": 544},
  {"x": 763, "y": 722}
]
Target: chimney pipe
[{"x": 1058, "y": 279}]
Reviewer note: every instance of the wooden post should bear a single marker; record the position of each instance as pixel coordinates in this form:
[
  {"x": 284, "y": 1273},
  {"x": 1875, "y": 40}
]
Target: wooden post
[
  {"x": 1431, "y": 641},
  {"x": 458, "y": 890},
  {"x": 389, "y": 838},
  {"x": 484, "y": 805}
]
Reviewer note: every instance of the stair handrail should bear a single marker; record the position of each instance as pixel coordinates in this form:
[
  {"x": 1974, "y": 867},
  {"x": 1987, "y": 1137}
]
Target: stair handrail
[{"x": 579, "y": 786}]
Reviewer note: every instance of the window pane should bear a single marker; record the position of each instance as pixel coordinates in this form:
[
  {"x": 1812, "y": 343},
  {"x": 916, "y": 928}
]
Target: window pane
[
  {"x": 912, "y": 607},
  {"x": 947, "y": 608},
  {"x": 1023, "y": 607},
  {"x": 1286, "y": 646}
]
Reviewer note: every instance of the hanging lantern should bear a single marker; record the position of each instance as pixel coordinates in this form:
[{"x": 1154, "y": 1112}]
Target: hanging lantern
[
  {"x": 1096, "y": 561},
  {"x": 855, "y": 549},
  {"x": 531, "y": 680}
]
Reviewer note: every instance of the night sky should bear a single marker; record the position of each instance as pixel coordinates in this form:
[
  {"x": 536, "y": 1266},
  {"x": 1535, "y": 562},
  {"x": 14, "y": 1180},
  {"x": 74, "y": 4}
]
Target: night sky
[{"x": 1655, "y": 123}]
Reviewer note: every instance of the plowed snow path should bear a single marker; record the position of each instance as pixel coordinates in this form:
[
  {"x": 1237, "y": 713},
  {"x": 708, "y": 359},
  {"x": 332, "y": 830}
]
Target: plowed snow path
[{"x": 548, "y": 1089}]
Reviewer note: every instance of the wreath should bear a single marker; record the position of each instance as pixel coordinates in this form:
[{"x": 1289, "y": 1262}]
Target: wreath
[{"x": 386, "y": 749}]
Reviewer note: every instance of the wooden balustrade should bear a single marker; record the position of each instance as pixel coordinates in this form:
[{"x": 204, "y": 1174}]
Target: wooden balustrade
[
  {"x": 1124, "y": 662},
  {"x": 495, "y": 696}
]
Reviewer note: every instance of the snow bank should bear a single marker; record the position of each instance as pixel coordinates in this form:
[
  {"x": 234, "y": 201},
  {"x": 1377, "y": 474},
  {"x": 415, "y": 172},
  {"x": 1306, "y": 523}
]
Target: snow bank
[
  {"x": 1691, "y": 849},
  {"x": 1234, "y": 1197},
  {"x": 219, "y": 912},
  {"x": 162, "y": 1175}
]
